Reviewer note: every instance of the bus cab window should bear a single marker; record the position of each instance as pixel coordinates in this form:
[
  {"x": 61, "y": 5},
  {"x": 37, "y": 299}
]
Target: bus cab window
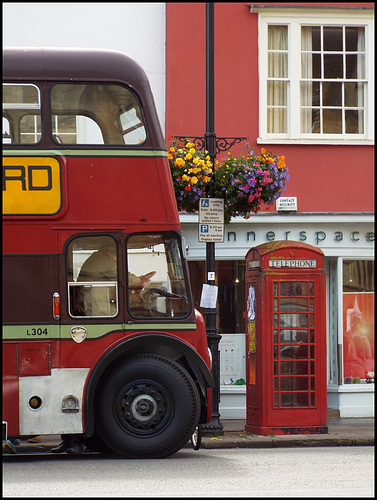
[
  {"x": 157, "y": 284},
  {"x": 96, "y": 114},
  {"x": 92, "y": 277}
]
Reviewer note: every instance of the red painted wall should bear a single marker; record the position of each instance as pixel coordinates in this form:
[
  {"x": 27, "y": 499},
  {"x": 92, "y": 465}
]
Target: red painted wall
[{"x": 325, "y": 178}]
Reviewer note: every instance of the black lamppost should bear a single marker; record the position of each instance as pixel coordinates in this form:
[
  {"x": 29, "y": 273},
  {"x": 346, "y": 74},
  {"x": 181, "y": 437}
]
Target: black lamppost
[
  {"x": 213, "y": 145},
  {"x": 213, "y": 337}
]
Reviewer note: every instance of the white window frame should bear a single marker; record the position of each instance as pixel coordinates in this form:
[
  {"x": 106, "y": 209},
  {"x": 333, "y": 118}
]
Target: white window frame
[{"x": 294, "y": 19}]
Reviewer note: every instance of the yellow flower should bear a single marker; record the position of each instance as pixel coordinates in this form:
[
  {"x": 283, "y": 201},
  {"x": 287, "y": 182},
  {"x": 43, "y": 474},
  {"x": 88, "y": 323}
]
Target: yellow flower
[
  {"x": 172, "y": 149},
  {"x": 194, "y": 180},
  {"x": 188, "y": 156},
  {"x": 192, "y": 151},
  {"x": 281, "y": 162},
  {"x": 205, "y": 178},
  {"x": 185, "y": 178},
  {"x": 190, "y": 145},
  {"x": 195, "y": 161},
  {"x": 179, "y": 162},
  {"x": 201, "y": 163},
  {"x": 170, "y": 157}
]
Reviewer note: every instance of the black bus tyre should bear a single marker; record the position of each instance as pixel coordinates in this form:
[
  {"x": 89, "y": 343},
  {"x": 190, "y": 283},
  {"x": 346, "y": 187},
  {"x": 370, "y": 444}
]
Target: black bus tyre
[{"x": 147, "y": 407}]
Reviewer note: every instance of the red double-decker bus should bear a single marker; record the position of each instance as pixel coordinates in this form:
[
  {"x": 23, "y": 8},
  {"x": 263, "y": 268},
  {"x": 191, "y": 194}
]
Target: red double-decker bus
[{"x": 100, "y": 336}]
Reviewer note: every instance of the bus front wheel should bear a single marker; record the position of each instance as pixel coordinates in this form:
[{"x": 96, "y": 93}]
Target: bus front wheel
[{"x": 148, "y": 407}]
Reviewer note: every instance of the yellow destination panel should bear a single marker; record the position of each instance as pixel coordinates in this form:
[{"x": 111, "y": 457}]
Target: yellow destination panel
[{"x": 31, "y": 185}]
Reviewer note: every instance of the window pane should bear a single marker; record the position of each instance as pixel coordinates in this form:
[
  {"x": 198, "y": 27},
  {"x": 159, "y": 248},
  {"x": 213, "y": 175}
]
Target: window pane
[
  {"x": 277, "y": 37},
  {"x": 289, "y": 288},
  {"x": 332, "y": 94},
  {"x": 354, "y": 122},
  {"x": 293, "y": 336},
  {"x": 277, "y": 120},
  {"x": 332, "y": 121},
  {"x": 293, "y": 304},
  {"x": 92, "y": 276},
  {"x": 333, "y": 66},
  {"x": 112, "y": 112},
  {"x": 276, "y": 93},
  {"x": 355, "y": 66},
  {"x": 277, "y": 65},
  {"x": 354, "y": 39},
  {"x": 333, "y": 38},
  {"x": 354, "y": 94},
  {"x": 156, "y": 280},
  {"x": 21, "y": 114},
  {"x": 310, "y": 121}
]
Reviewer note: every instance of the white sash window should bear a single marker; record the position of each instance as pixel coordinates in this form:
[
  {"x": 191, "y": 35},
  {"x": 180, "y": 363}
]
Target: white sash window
[{"x": 316, "y": 77}]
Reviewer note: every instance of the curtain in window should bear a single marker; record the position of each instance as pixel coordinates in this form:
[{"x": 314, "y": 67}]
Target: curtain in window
[
  {"x": 276, "y": 86},
  {"x": 306, "y": 88}
]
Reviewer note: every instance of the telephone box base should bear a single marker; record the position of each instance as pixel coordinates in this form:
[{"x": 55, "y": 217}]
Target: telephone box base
[{"x": 267, "y": 431}]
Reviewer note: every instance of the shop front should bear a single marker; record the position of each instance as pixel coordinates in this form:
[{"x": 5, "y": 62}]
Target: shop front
[{"x": 347, "y": 242}]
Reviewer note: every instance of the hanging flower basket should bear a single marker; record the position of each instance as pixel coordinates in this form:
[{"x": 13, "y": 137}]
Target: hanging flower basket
[
  {"x": 245, "y": 183},
  {"x": 191, "y": 170}
]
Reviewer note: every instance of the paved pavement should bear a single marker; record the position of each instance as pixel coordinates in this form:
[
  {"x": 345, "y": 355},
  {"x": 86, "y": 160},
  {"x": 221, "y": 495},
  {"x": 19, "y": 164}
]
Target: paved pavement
[{"x": 341, "y": 432}]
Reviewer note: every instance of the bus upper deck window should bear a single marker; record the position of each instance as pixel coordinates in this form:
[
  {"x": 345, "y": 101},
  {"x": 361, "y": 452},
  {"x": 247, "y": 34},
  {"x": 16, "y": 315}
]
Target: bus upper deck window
[
  {"x": 21, "y": 114},
  {"x": 96, "y": 114}
]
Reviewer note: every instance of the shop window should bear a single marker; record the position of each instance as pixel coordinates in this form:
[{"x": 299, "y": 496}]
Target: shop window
[
  {"x": 358, "y": 320},
  {"x": 230, "y": 279}
]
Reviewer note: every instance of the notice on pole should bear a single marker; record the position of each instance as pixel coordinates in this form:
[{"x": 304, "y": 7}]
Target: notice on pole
[
  {"x": 209, "y": 296},
  {"x": 211, "y": 220},
  {"x": 211, "y": 233},
  {"x": 211, "y": 210}
]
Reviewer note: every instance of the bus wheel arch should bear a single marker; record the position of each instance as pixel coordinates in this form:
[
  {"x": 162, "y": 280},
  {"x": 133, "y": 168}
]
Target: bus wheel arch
[
  {"x": 149, "y": 343},
  {"x": 147, "y": 407}
]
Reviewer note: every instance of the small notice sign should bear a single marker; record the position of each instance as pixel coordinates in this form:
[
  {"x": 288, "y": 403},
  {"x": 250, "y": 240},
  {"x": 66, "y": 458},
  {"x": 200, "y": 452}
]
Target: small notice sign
[
  {"x": 285, "y": 203},
  {"x": 211, "y": 220},
  {"x": 209, "y": 296},
  {"x": 211, "y": 232},
  {"x": 211, "y": 210}
]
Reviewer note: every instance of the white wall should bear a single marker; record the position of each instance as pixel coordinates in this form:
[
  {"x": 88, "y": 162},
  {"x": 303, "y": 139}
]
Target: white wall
[{"x": 135, "y": 28}]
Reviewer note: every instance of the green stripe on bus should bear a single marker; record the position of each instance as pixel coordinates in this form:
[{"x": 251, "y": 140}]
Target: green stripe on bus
[
  {"x": 50, "y": 332},
  {"x": 83, "y": 152}
]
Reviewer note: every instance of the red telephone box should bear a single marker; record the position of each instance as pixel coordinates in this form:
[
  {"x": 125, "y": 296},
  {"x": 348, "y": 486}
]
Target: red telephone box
[{"x": 286, "y": 389}]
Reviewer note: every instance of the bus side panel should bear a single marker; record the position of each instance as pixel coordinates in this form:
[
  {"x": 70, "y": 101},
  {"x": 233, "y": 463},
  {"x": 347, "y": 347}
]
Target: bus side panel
[
  {"x": 27, "y": 288},
  {"x": 10, "y": 388},
  {"x": 10, "y": 403},
  {"x": 143, "y": 192}
]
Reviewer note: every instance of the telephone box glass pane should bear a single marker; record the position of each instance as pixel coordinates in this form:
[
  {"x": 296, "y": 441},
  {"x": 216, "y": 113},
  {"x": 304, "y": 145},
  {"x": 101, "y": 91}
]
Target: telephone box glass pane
[
  {"x": 293, "y": 336},
  {"x": 291, "y": 320},
  {"x": 293, "y": 288}
]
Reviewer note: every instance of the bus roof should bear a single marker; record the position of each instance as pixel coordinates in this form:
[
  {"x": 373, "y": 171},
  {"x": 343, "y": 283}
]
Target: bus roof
[
  {"x": 33, "y": 64},
  {"x": 71, "y": 64}
]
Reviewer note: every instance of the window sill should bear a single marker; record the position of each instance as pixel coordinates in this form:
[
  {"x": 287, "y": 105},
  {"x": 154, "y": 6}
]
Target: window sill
[{"x": 319, "y": 142}]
